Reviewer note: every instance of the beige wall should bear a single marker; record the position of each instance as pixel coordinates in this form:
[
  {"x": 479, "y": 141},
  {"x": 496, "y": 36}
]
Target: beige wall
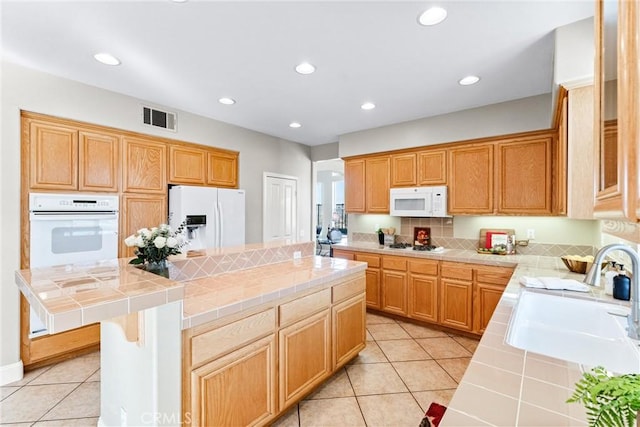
[
  {"x": 521, "y": 115},
  {"x": 31, "y": 90}
]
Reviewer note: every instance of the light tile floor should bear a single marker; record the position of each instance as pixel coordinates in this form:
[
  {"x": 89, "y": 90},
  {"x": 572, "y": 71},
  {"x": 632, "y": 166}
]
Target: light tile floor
[{"x": 392, "y": 382}]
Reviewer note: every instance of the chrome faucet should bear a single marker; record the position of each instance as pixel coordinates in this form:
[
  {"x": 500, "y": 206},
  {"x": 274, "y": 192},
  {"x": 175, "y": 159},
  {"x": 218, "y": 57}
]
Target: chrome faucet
[{"x": 593, "y": 278}]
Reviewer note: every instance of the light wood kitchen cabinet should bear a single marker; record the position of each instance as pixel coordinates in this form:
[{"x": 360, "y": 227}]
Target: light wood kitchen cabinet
[
  {"x": 456, "y": 296},
  {"x": 524, "y": 176},
  {"x": 471, "y": 179},
  {"x": 372, "y": 275},
  {"x": 53, "y": 155},
  {"x": 423, "y": 289},
  {"x": 432, "y": 167},
  {"x": 187, "y": 165},
  {"x": 348, "y": 318},
  {"x": 304, "y": 356},
  {"x": 222, "y": 169},
  {"x": 99, "y": 161},
  {"x": 139, "y": 211},
  {"x": 489, "y": 284},
  {"x": 377, "y": 184},
  {"x": 144, "y": 166},
  {"x": 339, "y": 253},
  {"x": 355, "y": 186},
  {"x": 222, "y": 388},
  {"x": 394, "y": 285},
  {"x": 65, "y": 158},
  {"x": 403, "y": 170}
]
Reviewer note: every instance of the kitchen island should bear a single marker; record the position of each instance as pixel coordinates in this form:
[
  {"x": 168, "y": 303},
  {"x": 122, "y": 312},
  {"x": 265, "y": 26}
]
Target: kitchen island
[
  {"x": 504, "y": 385},
  {"x": 225, "y": 328}
]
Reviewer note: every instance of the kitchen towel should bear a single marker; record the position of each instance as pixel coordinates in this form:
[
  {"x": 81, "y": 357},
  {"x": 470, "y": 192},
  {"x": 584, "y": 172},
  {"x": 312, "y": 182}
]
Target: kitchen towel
[{"x": 554, "y": 283}]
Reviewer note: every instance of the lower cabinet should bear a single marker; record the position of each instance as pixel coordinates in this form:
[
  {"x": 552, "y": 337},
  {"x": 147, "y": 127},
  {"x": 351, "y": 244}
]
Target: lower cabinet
[
  {"x": 304, "y": 356},
  {"x": 249, "y": 369},
  {"x": 456, "y": 304},
  {"x": 394, "y": 285},
  {"x": 223, "y": 389},
  {"x": 423, "y": 290},
  {"x": 372, "y": 275},
  {"x": 488, "y": 288}
]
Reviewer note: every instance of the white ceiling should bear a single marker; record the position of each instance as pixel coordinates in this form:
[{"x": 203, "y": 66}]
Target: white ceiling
[{"x": 187, "y": 55}]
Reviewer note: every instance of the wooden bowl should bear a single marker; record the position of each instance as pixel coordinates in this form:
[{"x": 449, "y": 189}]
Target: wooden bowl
[{"x": 580, "y": 267}]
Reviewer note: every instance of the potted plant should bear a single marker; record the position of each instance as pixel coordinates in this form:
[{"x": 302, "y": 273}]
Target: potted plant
[
  {"x": 610, "y": 400},
  {"x": 154, "y": 245},
  {"x": 380, "y": 236}
]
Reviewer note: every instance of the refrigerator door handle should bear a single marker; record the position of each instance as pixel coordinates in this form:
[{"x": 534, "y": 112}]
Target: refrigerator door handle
[{"x": 221, "y": 225}]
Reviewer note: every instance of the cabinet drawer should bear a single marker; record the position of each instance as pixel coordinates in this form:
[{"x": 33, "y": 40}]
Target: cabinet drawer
[
  {"x": 394, "y": 263},
  {"x": 304, "y": 307},
  {"x": 349, "y": 288},
  {"x": 372, "y": 260},
  {"x": 457, "y": 271},
  {"x": 214, "y": 343},
  {"x": 494, "y": 275},
  {"x": 426, "y": 267}
]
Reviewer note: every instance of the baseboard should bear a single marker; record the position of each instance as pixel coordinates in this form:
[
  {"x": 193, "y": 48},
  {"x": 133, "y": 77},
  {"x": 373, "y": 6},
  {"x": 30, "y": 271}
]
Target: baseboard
[{"x": 11, "y": 373}]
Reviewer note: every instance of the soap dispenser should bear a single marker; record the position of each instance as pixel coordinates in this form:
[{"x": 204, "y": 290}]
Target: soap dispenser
[{"x": 621, "y": 285}]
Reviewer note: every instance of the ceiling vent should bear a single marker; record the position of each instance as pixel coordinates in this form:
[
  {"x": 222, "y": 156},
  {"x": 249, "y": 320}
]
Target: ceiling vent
[{"x": 159, "y": 118}]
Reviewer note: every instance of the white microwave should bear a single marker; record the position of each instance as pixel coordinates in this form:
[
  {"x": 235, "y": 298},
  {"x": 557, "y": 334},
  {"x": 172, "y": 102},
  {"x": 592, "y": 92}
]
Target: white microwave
[{"x": 419, "y": 201}]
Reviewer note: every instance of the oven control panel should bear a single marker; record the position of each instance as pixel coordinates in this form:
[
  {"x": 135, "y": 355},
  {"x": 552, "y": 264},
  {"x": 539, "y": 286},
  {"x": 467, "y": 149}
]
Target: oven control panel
[{"x": 72, "y": 202}]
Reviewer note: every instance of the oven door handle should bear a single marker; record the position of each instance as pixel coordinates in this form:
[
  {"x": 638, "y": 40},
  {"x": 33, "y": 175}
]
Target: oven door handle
[{"x": 71, "y": 216}]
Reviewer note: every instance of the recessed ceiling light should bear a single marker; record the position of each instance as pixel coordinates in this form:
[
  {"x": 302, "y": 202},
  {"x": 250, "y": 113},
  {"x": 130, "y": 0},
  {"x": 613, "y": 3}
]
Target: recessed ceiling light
[
  {"x": 368, "y": 106},
  {"x": 305, "y": 68},
  {"x": 295, "y": 125},
  {"x": 469, "y": 80},
  {"x": 227, "y": 101},
  {"x": 432, "y": 16},
  {"x": 106, "y": 58},
  {"x": 179, "y": 1}
]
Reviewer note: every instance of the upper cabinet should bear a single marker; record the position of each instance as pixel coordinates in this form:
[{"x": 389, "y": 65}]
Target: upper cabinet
[
  {"x": 222, "y": 168},
  {"x": 367, "y": 184},
  {"x": 145, "y": 165},
  {"x": 616, "y": 110},
  {"x": 403, "y": 170},
  {"x": 63, "y": 157},
  {"x": 524, "y": 176},
  {"x": 354, "y": 189},
  {"x": 471, "y": 179},
  {"x": 432, "y": 167},
  {"x": 377, "y": 184},
  {"x": 187, "y": 165}
]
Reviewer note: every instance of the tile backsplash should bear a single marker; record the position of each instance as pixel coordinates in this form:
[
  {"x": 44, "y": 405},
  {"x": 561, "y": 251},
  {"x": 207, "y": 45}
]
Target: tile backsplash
[{"x": 442, "y": 235}]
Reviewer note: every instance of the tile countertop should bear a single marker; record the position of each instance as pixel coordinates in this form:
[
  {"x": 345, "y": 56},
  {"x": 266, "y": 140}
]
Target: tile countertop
[
  {"x": 70, "y": 296},
  {"x": 504, "y": 385}
]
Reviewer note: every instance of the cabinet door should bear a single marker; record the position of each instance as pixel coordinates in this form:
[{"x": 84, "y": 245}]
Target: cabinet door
[
  {"x": 486, "y": 298},
  {"x": 187, "y": 165},
  {"x": 144, "y": 166},
  {"x": 304, "y": 356},
  {"x": 394, "y": 292},
  {"x": 53, "y": 156},
  {"x": 354, "y": 186},
  {"x": 372, "y": 276},
  {"x": 456, "y": 304},
  {"x": 237, "y": 389},
  {"x": 377, "y": 183},
  {"x": 99, "y": 159},
  {"x": 524, "y": 178},
  {"x": 403, "y": 170},
  {"x": 139, "y": 211},
  {"x": 470, "y": 180},
  {"x": 348, "y": 330},
  {"x": 432, "y": 167},
  {"x": 423, "y": 297},
  {"x": 222, "y": 169}
]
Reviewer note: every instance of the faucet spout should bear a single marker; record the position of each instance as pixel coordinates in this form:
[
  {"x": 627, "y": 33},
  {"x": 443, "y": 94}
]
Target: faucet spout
[{"x": 593, "y": 278}]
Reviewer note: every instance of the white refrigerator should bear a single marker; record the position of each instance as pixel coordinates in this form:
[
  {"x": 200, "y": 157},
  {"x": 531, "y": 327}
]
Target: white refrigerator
[{"x": 215, "y": 216}]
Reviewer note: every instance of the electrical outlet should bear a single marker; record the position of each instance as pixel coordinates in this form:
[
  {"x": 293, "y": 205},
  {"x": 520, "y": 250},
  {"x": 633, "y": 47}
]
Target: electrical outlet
[
  {"x": 531, "y": 233},
  {"x": 297, "y": 255}
]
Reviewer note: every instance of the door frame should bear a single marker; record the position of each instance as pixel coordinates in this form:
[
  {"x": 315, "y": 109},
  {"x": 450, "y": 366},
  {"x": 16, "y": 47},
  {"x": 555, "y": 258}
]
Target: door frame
[{"x": 266, "y": 175}]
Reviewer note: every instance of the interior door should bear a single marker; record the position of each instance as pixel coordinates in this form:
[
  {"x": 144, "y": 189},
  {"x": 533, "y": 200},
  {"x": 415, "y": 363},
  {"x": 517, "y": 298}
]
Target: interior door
[{"x": 279, "y": 207}]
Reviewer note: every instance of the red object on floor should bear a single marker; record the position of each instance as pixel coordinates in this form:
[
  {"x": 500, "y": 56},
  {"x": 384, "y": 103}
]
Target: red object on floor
[{"x": 435, "y": 413}]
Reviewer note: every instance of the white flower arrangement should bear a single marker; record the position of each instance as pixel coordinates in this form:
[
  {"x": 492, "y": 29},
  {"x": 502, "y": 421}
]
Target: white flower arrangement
[{"x": 156, "y": 244}]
